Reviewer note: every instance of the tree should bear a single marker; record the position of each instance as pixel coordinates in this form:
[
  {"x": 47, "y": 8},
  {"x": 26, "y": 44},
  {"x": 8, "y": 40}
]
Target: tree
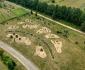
[
  {"x": 53, "y": 1},
  {"x": 11, "y": 37},
  {"x": 31, "y": 11},
  {"x": 73, "y": 15},
  {"x": 65, "y": 33},
  {"x": 2, "y": 3},
  {"x": 50, "y": 10},
  {"x": 36, "y": 6},
  {"x": 9, "y": 62},
  {"x": 36, "y": 13},
  {"x": 55, "y": 12},
  {"x": 1, "y": 53},
  {"x": 83, "y": 26}
]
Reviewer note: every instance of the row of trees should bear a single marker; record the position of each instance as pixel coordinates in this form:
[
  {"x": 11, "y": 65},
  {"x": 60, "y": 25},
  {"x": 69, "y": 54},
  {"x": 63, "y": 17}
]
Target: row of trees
[{"x": 74, "y": 15}]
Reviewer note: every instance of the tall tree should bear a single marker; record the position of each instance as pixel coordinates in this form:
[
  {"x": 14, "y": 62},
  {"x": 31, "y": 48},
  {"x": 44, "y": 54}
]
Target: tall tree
[{"x": 36, "y": 6}]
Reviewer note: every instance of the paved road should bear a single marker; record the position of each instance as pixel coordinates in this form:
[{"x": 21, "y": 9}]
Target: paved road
[{"x": 27, "y": 63}]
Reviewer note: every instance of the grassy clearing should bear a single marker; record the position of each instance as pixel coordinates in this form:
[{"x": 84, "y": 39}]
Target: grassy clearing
[{"x": 71, "y": 58}]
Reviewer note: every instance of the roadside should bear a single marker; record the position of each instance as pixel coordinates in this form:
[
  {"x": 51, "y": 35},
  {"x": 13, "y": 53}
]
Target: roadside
[{"x": 27, "y": 63}]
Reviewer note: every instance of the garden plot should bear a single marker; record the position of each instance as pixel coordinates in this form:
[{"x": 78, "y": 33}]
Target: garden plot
[
  {"x": 19, "y": 39},
  {"x": 50, "y": 35},
  {"x": 58, "y": 45},
  {"x": 44, "y": 30},
  {"x": 40, "y": 52}
]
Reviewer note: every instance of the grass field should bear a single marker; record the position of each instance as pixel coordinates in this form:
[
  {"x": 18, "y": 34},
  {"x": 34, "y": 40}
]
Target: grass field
[
  {"x": 2, "y": 66},
  {"x": 72, "y": 3},
  {"x": 72, "y": 56}
]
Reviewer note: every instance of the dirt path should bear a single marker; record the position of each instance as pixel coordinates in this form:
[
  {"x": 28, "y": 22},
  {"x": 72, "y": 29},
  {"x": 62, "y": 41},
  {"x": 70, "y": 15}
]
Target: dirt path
[
  {"x": 51, "y": 20},
  {"x": 61, "y": 24},
  {"x": 26, "y": 63}
]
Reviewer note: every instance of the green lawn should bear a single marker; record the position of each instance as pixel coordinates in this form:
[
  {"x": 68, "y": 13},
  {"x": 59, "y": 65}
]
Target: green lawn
[{"x": 19, "y": 11}]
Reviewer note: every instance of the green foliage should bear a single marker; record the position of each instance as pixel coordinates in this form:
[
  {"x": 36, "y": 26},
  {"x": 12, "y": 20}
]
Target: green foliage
[
  {"x": 74, "y": 15},
  {"x": 1, "y": 53},
  {"x": 2, "y": 5},
  {"x": 83, "y": 27},
  {"x": 65, "y": 33},
  {"x": 76, "y": 42},
  {"x": 7, "y": 60},
  {"x": 53, "y": 1},
  {"x": 31, "y": 12},
  {"x": 19, "y": 11}
]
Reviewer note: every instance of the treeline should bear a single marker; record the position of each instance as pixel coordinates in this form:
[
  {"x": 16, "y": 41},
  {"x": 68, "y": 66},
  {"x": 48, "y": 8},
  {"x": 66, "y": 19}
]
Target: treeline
[{"x": 74, "y": 15}]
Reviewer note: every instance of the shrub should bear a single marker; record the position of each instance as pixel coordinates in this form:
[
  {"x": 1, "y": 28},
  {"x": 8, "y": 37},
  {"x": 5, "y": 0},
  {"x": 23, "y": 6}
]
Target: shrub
[{"x": 76, "y": 42}]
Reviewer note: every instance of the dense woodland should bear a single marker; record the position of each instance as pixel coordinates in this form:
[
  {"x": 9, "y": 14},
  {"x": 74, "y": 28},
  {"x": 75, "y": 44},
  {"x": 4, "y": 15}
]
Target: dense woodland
[{"x": 73, "y": 15}]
